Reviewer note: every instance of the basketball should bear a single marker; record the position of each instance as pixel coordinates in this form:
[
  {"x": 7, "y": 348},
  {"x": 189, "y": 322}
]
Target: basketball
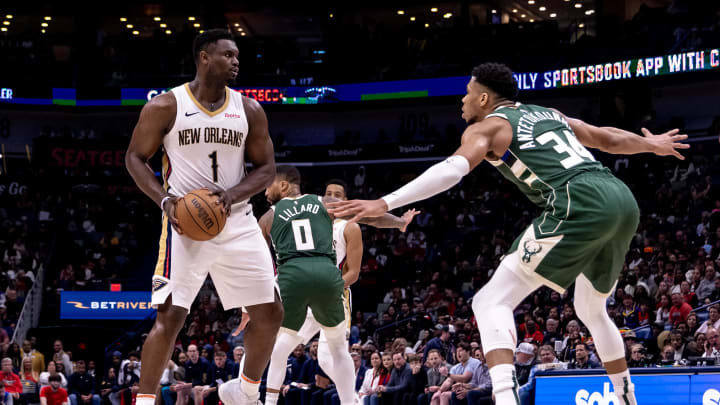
[{"x": 199, "y": 216}]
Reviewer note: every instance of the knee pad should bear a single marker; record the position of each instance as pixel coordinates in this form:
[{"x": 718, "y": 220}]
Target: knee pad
[{"x": 590, "y": 308}]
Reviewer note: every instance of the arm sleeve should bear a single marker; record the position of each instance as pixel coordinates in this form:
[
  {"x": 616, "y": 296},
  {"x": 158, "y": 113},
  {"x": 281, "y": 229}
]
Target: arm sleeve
[{"x": 434, "y": 180}]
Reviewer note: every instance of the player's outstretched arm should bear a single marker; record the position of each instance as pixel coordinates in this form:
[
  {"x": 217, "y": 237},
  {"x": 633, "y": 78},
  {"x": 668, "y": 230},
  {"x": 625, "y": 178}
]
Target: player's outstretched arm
[
  {"x": 621, "y": 142},
  {"x": 353, "y": 254},
  {"x": 476, "y": 142},
  {"x": 259, "y": 151},
  {"x": 387, "y": 220}
]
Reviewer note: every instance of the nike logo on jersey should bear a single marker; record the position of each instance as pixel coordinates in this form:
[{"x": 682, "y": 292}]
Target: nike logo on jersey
[{"x": 188, "y": 115}]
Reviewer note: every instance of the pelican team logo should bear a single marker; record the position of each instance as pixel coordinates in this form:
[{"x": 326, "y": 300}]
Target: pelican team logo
[
  {"x": 531, "y": 248},
  {"x": 711, "y": 397},
  {"x": 158, "y": 283}
]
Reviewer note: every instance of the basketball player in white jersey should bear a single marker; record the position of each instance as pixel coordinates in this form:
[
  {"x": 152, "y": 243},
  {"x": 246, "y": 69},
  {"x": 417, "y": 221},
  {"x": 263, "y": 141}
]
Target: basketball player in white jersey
[{"x": 207, "y": 131}]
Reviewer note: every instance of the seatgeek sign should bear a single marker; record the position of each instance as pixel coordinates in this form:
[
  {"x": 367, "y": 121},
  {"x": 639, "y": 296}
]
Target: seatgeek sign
[
  {"x": 105, "y": 305},
  {"x": 665, "y": 389}
]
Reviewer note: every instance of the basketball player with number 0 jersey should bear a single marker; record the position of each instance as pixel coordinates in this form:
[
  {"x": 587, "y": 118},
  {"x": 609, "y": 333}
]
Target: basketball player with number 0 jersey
[{"x": 207, "y": 131}]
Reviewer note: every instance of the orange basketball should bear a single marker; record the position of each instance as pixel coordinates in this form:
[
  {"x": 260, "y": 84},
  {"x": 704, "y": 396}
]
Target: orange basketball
[{"x": 199, "y": 216}]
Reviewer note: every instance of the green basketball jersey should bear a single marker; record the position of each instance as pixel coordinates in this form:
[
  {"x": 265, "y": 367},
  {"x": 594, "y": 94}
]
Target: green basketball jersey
[
  {"x": 302, "y": 228},
  {"x": 544, "y": 153}
]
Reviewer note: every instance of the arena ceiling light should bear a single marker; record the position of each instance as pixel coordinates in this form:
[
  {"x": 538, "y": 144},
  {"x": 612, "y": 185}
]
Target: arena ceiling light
[
  {"x": 581, "y": 25},
  {"x": 237, "y": 24},
  {"x": 332, "y": 15},
  {"x": 589, "y": 12},
  {"x": 412, "y": 18},
  {"x": 434, "y": 10},
  {"x": 136, "y": 32},
  {"x": 514, "y": 10},
  {"x": 191, "y": 18},
  {"x": 542, "y": 8},
  {"x": 196, "y": 25},
  {"x": 3, "y": 29},
  {"x": 163, "y": 25},
  {"x": 6, "y": 22},
  {"x": 242, "y": 34},
  {"x": 447, "y": 15},
  {"x": 9, "y": 16},
  {"x": 130, "y": 26},
  {"x": 553, "y": 15},
  {"x": 494, "y": 11},
  {"x": 42, "y": 30},
  {"x": 531, "y": 2},
  {"x": 168, "y": 32},
  {"x": 578, "y": 5},
  {"x": 401, "y": 12},
  {"x": 427, "y": 25},
  {"x": 157, "y": 19},
  {"x": 44, "y": 24},
  {"x": 523, "y": 15},
  {"x": 48, "y": 18},
  {"x": 123, "y": 19}
]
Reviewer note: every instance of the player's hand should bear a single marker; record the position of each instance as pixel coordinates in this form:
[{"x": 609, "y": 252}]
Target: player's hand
[
  {"x": 668, "y": 143},
  {"x": 285, "y": 389},
  {"x": 224, "y": 199},
  {"x": 358, "y": 209},
  {"x": 169, "y": 208},
  {"x": 407, "y": 218},
  {"x": 243, "y": 323}
]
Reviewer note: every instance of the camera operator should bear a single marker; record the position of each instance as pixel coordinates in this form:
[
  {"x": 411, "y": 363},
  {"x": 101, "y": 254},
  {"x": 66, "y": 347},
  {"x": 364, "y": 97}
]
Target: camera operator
[{"x": 638, "y": 356}]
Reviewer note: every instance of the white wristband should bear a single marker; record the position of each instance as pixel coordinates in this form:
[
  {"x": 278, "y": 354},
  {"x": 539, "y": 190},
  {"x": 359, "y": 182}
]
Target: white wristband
[
  {"x": 434, "y": 180},
  {"x": 162, "y": 202}
]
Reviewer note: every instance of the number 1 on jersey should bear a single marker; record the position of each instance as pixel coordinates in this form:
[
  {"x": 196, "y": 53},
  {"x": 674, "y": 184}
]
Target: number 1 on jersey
[
  {"x": 303, "y": 234},
  {"x": 213, "y": 157}
]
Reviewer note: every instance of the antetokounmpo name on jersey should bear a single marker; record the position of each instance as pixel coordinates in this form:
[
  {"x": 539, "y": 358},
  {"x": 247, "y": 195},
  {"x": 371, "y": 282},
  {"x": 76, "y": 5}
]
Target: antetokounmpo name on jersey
[
  {"x": 223, "y": 136},
  {"x": 527, "y": 122},
  {"x": 297, "y": 210}
]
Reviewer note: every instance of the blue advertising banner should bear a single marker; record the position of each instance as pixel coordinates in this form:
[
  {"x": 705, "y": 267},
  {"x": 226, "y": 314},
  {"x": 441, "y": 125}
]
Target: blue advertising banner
[
  {"x": 670, "y": 388},
  {"x": 105, "y": 305}
]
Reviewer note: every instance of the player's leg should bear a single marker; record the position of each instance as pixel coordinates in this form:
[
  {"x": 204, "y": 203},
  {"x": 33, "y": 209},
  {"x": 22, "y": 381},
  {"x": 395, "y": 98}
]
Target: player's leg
[
  {"x": 590, "y": 306},
  {"x": 494, "y": 304},
  {"x": 324, "y": 356},
  {"x": 328, "y": 307},
  {"x": 285, "y": 343},
  {"x": 158, "y": 347},
  {"x": 179, "y": 274}
]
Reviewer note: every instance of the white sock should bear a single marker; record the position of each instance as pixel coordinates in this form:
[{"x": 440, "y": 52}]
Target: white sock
[
  {"x": 271, "y": 398},
  {"x": 623, "y": 387},
  {"x": 145, "y": 399},
  {"x": 249, "y": 387},
  {"x": 505, "y": 385}
]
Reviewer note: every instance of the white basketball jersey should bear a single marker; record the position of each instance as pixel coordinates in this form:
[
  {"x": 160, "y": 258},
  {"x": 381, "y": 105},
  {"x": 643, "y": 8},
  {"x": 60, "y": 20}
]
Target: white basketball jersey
[
  {"x": 339, "y": 242},
  {"x": 204, "y": 148}
]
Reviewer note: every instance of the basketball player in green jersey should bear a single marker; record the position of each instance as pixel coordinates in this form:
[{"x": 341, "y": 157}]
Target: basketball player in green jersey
[
  {"x": 582, "y": 234},
  {"x": 301, "y": 232}
]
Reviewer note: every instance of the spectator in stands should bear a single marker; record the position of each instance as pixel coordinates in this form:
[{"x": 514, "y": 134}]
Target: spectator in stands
[
  {"x": 53, "y": 394},
  {"x": 582, "y": 358},
  {"x": 527, "y": 390},
  {"x": 10, "y": 380},
  {"x": 663, "y": 310},
  {"x": 13, "y": 353},
  {"x": 630, "y": 312},
  {"x": 533, "y": 333},
  {"x": 707, "y": 284},
  {"x": 81, "y": 386},
  {"x": 131, "y": 365},
  {"x": 439, "y": 343},
  {"x": 552, "y": 334},
  {"x": 29, "y": 379},
  {"x": 479, "y": 390},
  {"x": 62, "y": 357},
  {"x": 713, "y": 320},
  {"x": 108, "y": 387},
  {"x": 38, "y": 359},
  {"x": 197, "y": 372},
  {"x": 51, "y": 370},
  {"x": 680, "y": 309},
  {"x": 418, "y": 380},
  {"x": 221, "y": 369},
  {"x": 399, "y": 380},
  {"x": 712, "y": 345},
  {"x": 678, "y": 344},
  {"x": 692, "y": 323},
  {"x": 638, "y": 356},
  {"x": 360, "y": 370},
  {"x": 238, "y": 353},
  {"x": 524, "y": 361},
  {"x": 688, "y": 296},
  {"x": 374, "y": 377},
  {"x": 461, "y": 372},
  {"x": 667, "y": 357}
]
